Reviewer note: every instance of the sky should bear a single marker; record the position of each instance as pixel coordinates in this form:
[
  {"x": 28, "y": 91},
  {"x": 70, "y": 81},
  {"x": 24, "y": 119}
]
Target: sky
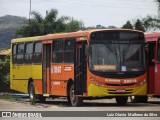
[{"x": 91, "y": 12}]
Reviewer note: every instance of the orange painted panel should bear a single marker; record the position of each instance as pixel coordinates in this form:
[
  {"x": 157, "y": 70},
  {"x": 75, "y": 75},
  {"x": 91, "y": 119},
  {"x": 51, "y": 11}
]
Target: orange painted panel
[
  {"x": 59, "y": 88},
  {"x": 38, "y": 86}
]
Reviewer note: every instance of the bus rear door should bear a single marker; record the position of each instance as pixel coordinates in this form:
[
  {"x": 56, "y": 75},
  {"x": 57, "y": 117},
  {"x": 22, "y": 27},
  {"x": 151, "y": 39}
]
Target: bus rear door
[
  {"x": 80, "y": 68},
  {"x": 46, "y": 68}
]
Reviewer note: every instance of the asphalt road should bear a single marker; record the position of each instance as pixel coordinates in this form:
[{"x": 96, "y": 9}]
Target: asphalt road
[{"x": 61, "y": 104}]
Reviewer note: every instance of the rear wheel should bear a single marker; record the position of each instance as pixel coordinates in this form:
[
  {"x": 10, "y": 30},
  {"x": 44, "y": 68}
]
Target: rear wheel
[
  {"x": 41, "y": 98},
  {"x": 74, "y": 99},
  {"x": 121, "y": 100},
  {"x": 32, "y": 95}
]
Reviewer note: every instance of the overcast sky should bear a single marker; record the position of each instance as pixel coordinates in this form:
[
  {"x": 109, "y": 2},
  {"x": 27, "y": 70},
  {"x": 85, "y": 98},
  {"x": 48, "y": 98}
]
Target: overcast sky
[{"x": 91, "y": 12}]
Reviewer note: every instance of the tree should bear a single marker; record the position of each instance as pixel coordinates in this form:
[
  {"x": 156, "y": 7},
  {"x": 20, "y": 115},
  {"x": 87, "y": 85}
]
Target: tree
[
  {"x": 4, "y": 74},
  {"x": 48, "y": 25},
  {"x": 73, "y": 25},
  {"x": 128, "y": 25},
  {"x": 139, "y": 25}
]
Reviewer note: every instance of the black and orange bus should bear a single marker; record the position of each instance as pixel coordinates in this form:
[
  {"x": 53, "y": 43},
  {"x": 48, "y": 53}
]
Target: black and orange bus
[{"x": 103, "y": 63}]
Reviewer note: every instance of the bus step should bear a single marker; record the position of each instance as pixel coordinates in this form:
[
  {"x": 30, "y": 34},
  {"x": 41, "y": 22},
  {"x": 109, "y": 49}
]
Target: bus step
[{"x": 46, "y": 95}]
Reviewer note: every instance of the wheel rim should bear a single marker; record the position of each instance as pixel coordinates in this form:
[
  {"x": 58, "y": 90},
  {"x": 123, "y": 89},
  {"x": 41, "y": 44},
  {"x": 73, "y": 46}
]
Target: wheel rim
[
  {"x": 132, "y": 98},
  {"x": 72, "y": 96},
  {"x": 31, "y": 93}
]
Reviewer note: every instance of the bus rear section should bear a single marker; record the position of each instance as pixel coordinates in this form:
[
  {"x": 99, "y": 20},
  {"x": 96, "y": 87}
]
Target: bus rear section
[{"x": 153, "y": 53}]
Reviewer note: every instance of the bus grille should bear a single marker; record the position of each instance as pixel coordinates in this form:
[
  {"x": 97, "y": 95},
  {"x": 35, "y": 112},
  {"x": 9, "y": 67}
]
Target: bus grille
[
  {"x": 131, "y": 84},
  {"x": 115, "y": 92}
]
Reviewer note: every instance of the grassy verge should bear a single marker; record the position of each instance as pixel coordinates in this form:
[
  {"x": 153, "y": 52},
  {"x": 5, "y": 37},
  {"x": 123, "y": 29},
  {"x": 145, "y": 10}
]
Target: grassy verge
[{"x": 6, "y": 96}]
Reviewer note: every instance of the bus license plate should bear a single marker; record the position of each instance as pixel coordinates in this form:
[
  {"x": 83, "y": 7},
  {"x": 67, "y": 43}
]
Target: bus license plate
[{"x": 120, "y": 90}]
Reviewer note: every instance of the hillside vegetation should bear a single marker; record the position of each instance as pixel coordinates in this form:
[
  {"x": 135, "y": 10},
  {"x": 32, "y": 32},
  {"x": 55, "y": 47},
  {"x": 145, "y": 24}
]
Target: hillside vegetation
[{"x": 8, "y": 26}]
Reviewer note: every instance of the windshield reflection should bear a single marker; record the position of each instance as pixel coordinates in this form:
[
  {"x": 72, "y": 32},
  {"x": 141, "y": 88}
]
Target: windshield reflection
[{"x": 116, "y": 57}]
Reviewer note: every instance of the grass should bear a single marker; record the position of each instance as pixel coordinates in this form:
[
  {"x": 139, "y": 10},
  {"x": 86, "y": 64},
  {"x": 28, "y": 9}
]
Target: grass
[{"x": 6, "y": 96}]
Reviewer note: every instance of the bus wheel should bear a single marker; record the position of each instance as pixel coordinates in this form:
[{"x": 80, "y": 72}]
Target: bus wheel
[
  {"x": 32, "y": 95},
  {"x": 139, "y": 99},
  {"x": 41, "y": 98},
  {"x": 74, "y": 99},
  {"x": 121, "y": 100}
]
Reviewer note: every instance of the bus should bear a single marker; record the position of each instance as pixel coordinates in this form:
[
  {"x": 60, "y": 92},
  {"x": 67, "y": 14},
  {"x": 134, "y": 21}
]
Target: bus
[
  {"x": 153, "y": 51},
  {"x": 90, "y": 64}
]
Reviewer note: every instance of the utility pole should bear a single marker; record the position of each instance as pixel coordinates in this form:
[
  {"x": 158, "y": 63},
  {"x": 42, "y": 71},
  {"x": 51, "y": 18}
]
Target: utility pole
[{"x": 29, "y": 29}]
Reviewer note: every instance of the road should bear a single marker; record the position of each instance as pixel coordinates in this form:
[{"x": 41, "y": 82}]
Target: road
[{"x": 61, "y": 104}]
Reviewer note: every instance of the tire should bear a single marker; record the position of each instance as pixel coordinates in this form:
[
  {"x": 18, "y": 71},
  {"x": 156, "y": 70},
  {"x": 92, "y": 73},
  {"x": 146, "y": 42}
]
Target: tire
[
  {"x": 139, "y": 99},
  {"x": 41, "y": 98},
  {"x": 69, "y": 100},
  {"x": 121, "y": 100},
  {"x": 32, "y": 95},
  {"x": 74, "y": 99}
]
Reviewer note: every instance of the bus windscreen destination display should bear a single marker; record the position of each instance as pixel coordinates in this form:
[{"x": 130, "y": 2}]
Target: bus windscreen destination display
[{"x": 118, "y": 37}]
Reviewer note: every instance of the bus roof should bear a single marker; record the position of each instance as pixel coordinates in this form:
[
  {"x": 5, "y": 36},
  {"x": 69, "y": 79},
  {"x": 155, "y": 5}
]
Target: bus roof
[
  {"x": 79, "y": 33},
  {"x": 152, "y": 36},
  {"x": 27, "y": 39}
]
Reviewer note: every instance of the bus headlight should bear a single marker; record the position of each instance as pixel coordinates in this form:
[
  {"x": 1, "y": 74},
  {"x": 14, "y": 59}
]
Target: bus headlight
[
  {"x": 92, "y": 80},
  {"x": 141, "y": 83}
]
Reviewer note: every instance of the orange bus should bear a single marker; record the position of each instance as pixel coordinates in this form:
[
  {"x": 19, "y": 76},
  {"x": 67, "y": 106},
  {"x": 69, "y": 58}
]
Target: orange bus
[
  {"x": 153, "y": 42},
  {"x": 103, "y": 63}
]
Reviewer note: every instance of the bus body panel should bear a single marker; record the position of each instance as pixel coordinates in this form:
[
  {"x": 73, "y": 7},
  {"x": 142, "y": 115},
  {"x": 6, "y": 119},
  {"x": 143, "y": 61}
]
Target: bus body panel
[
  {"x": 112, "y": 86},
  {"x": 59, "y": 74},
  {"x": 152, "y": 39}
]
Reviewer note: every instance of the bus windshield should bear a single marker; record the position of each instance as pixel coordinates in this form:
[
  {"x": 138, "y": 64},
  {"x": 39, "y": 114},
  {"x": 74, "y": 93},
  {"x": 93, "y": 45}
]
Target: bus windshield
[{"x": 116, "y": 56}]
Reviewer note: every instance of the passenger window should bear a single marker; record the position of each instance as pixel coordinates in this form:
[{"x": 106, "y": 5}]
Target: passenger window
[
  {"x": 69, "y": 50},
  {"x": 37, "y": 54},
  {"x": 57, "y": 51},
  {"x": 14, "y": 51},
  {"x": 20, "y": 53},
  {"x": 29, "y": 53}
]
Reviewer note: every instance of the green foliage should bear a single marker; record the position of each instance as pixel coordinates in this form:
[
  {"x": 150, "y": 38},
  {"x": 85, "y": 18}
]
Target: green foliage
[
  {"x": 139, "y": 25},
  {"x": 50, "y": 24},
  {"x": 148, "y": 23},
  {"x": 8, "y": 26},
  {"x": 4, "y": 71},
  {"x": 136, "y": 25},
  {"x": 73, "y": 25},
  {"x": 128, "y": 25}
]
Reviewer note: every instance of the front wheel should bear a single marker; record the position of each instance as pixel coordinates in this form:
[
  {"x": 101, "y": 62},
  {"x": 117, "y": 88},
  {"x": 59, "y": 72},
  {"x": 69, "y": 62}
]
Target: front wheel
[
  {"x": 74, "y": 99},
  {"x": 121, "y": 100},
  {"x": 139, "y": 99}
]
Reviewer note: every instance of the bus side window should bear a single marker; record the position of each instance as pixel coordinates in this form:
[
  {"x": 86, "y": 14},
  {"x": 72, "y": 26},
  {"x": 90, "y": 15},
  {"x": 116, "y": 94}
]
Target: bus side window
[
  {"x": 57, "y": 51},
  {"x": 158, "y": 56},
  {"x": 28, "y": 53},
  {"x": 14, "y": 52},
  {"x": 37, "y": 54},
  {"x": 69, "y": 50},
  {"x": 20, "y": 53}
]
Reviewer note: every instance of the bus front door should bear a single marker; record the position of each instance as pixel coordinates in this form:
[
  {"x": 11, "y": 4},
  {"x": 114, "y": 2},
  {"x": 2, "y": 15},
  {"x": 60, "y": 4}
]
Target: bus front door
[
  {"x": 157, "y": 70},
  {"x": 80, "y": 68},
  {"x": 46, "y": 68}
]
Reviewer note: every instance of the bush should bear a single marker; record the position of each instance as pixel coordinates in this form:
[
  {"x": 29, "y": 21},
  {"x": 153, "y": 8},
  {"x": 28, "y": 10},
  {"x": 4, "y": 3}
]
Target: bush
[{"x": 5, "y": 73}]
